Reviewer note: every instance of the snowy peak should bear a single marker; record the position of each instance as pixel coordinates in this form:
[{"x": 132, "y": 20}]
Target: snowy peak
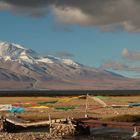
[
  {"x": 15, "y": 52},
  {"x": 11, "y": 51},
  {"x": 6, "y": 44}
]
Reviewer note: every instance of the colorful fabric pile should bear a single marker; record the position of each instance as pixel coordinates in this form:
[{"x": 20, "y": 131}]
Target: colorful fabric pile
[
  {"x": 5, "y": 107},
  {"x": 16, "y": 110},
  {"x": 25, "y": 104},
  {"x": 67, "y": 99},
  {"x": 38, "y": 107},
  {"x": 65, "y": 108},
  {"x": 47, "y": 103}
]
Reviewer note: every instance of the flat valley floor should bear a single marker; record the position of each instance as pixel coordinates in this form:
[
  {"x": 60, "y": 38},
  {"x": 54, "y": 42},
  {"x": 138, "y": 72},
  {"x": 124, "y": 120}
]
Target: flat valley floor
[{"x": 39, "y": 108}]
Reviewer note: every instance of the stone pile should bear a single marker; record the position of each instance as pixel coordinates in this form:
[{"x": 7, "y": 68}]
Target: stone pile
[{"x": 59, "y": 130}]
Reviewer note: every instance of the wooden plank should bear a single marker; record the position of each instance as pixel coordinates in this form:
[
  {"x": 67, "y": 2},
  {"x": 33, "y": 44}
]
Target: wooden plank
[
  {"x": 20, "y": 122},
  {"x": 98, "y": 123}
]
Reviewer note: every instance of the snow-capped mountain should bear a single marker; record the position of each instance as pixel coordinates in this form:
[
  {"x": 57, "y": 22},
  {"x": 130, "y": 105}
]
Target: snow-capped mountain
[
  {"x": 24, "y": 68},
  {"x": 15, "y": 52}
]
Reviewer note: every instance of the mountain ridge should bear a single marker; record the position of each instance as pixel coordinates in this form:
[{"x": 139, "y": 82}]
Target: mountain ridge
[{"x": 21, "y": 65}]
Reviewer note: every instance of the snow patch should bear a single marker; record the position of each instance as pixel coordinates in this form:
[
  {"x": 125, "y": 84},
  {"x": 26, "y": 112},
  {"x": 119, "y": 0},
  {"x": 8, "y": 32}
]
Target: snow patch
[
  {"x": 70, "y": 62},
  {"x": 6, "y": 44},
  {"x": 45, "y": 60},
  {"x": 6, "y": 58}
]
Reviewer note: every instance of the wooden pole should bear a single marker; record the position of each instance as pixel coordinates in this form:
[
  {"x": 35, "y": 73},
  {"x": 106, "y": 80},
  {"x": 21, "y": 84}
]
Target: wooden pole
[
  {"x": 2, "y": 123},
  {"x": 50, "y": 124},
  {"x": 86, "y": 106}
]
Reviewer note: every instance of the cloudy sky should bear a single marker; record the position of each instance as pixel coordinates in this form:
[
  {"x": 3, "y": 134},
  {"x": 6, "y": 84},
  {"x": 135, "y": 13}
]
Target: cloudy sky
[{"x": 98, "y": 33}]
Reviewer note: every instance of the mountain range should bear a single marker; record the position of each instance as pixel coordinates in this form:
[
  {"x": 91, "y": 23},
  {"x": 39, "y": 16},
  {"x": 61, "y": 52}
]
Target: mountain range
[{"x": 22, "y": 68}]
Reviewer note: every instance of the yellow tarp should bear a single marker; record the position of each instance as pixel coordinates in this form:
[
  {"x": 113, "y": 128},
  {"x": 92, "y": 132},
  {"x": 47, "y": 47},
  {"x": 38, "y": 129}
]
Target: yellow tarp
[
  {"x": 39, "y": 107},
  {"x": 67, "y": 99}
]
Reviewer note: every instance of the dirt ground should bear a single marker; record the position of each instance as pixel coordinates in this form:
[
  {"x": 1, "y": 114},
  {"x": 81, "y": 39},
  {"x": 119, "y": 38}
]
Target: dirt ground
[
  {"x": 77, "y": 109},
  {"x": 94, "y": 109}
]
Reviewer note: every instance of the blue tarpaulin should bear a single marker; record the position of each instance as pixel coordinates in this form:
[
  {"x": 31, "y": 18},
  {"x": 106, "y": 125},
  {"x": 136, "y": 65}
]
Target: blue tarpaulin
[
  {"x": 16, "y": 110},
  {"x": 136, "y": 104}
]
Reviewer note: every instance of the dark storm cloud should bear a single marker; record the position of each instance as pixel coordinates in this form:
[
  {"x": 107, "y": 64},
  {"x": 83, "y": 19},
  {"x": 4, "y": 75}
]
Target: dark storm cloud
[
  {"x": 106, "y": 14},
  {"x": 29, "y": 3}
]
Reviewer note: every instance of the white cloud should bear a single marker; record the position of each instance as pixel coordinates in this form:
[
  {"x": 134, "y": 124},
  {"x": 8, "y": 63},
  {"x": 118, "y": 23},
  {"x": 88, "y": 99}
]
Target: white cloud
[
  {"x": 120, "y": 66},
  {"x": 71, "y": 15},
  {"x": 129, "y": 63},
  {"x": 131, "y": 55}
]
